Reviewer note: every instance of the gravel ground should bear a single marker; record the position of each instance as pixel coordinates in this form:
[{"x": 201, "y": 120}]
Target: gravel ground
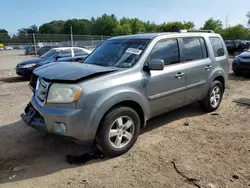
[{"x": 183, "y": 148}]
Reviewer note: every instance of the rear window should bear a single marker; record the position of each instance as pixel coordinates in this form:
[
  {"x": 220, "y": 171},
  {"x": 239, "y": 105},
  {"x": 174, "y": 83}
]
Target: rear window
[
  {"x": 66, "y": 53},
  {"x": 217, "y": 46},
  {"x": 79, "y": 52}
]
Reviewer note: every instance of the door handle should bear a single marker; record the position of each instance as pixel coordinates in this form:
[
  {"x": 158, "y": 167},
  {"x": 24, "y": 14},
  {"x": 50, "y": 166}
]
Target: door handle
[
  {"x": 179, "y": 75},
  {"x": 208, "y": 67}
]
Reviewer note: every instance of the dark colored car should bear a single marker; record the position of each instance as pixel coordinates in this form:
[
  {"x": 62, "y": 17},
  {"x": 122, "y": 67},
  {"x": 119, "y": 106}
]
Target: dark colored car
[
  {"x": 235, "y": 47},
  {"x": 45, "y": 49},
  {"x": 69, "y": 54},
  {"x": 241, "y": 63}
]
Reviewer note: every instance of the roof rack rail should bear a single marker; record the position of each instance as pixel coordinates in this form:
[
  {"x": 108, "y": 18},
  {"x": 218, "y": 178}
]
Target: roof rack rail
[{"x": 196, "y": 31}]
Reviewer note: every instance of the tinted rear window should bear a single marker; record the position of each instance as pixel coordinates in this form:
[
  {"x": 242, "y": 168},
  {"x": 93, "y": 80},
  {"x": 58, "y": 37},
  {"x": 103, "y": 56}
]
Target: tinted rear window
[
  {"x": 217, "y": 46},
  {"x": 193, "y": 49}
]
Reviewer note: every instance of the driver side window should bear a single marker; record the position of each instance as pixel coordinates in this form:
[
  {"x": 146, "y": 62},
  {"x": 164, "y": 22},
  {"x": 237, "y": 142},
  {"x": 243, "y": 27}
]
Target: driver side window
[{"x": 167, "y": 50}]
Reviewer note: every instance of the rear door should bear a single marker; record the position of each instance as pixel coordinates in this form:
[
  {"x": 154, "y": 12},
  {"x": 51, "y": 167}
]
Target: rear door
[{"x": 198, "y": 67}]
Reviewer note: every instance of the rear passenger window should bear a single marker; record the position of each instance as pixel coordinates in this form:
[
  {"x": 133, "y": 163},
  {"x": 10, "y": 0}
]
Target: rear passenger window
[
  {"x": 193, "y": 49},
  {"x": 217, "y": 46},
  {"x": 167, "y": 50},
  {"x": 66, "y": 53},
  {"x": 79, "y": 52}
]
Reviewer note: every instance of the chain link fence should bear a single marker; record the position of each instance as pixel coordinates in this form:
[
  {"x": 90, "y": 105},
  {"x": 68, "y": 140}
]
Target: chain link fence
[{"x": 64, "y": 40}]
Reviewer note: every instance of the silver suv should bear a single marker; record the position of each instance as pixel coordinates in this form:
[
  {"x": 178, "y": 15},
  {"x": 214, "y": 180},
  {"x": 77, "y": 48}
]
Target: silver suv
[{"x": 125, "y": 82}]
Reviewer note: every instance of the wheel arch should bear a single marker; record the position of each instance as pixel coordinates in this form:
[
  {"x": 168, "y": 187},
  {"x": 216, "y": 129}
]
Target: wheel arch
[{"x": 222, "y": 80}]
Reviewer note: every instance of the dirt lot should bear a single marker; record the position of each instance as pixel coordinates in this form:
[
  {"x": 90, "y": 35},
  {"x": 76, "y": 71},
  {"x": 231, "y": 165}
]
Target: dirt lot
[{"x": 210, "y": 148}]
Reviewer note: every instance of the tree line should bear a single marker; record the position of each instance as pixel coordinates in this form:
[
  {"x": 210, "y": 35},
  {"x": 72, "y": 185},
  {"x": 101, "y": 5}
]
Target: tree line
[{"x": 109, "y": 25}]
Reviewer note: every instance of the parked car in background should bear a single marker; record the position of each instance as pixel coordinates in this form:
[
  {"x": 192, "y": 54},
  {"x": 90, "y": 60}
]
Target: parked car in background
[
  {"x": 21, "y": 47},
  {"x": 8, "y": 48},
  {"x": 67, "y": 54},
  {"x": 125, "y": 82},
  {"x": 241, "y": 64},
  {"x": 16, "y": 47},
  {"x": 31, "y": 50},
  {"x": 45, "y": 49},
  {"x": 236, "y": 47},
  {"x": 1, "y": 49}
]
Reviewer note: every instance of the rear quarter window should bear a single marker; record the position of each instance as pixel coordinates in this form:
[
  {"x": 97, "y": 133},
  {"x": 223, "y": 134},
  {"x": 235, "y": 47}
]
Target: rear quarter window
[{"x": 217, "y": 46}]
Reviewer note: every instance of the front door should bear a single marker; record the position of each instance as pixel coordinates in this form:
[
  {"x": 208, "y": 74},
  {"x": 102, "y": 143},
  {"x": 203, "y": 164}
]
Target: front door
[{"x": 165, "y": 89}]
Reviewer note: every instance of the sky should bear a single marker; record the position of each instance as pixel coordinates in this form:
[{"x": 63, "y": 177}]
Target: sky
[{"x": 16, "y": 14}]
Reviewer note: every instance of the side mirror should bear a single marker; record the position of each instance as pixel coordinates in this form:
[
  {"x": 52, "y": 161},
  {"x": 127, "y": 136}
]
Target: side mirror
[{"x": 156, "y": 64}]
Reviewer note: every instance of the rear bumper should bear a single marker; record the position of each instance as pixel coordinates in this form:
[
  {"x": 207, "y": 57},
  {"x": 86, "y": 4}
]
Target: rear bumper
[{"x": 79, "y": 123}]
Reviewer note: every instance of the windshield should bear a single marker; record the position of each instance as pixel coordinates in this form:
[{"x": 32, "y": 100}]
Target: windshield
[
  {"x": 50, "y": 54},
  {"x": 121, "y": 53}
]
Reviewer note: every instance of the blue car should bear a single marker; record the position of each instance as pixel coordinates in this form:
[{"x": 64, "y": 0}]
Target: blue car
[
  {"x": 65, "y": 54},
  {"x": 241, "y": 63}
]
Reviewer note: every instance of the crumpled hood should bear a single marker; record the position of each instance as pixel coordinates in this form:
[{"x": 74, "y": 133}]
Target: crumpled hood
[
  {"x": 70, "y": 71},
  {"x": 37, "y": 61}
]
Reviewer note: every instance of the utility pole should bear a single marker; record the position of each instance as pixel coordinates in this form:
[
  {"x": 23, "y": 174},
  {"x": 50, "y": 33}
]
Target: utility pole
[
  {"x": 34, "y": 42},
  {"x": 71, "y": 34}
]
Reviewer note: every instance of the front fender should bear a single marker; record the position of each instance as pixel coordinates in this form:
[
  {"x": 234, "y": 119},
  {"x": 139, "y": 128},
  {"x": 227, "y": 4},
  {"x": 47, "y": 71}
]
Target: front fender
[{"x": 107, "y": 101}]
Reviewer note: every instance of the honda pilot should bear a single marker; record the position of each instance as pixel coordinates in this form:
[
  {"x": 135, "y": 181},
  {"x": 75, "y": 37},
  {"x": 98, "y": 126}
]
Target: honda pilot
[{"x": 123, "y": 83}]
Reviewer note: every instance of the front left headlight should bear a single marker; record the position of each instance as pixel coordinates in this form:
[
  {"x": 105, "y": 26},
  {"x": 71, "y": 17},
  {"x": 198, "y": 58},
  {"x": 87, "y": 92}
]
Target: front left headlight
[
  {"x": 29, "y": 65},
  {"x": 64, "y": 93}
]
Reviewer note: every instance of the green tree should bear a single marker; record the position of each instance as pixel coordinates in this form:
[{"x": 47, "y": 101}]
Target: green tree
[
  {"x": 150, "y": 27},
  {"x": 170, "y": 27},
  {"x": 124, "y": 29},
  {"x": 188, "y": 25},
  {"x": 236, "y": 32},
  {"x": 4, "y": 36},
  {"x": 31, "y": 29},
  {"x": 79, "y": 26},
  {"x": 137, "y": 26},
  {"x": 104, "y": 25},
  {"x": 53, "y": 27},
  {"x": 3, "y": 31},
  {"x": 215, "y": 25}
]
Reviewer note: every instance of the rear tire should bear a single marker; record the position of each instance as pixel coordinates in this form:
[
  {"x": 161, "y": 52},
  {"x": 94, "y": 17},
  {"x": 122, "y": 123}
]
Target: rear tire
[
  {"x": 213, "y": 98},
  {"x": 118, "y": 131}
]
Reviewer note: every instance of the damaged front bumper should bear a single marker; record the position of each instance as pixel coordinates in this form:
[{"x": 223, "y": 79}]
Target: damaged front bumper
[
  {"x": 73, "y": 123},
  {"x": 33, "y": 118}
]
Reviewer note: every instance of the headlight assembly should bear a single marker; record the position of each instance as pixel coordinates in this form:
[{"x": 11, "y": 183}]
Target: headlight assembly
[
  {"x": 64, "y": 93},
  {"x": 29, "y": 65}
]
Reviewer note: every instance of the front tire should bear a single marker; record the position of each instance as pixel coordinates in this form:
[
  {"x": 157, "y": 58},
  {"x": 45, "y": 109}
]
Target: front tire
[
  {"x": 118, "y": 131},
  {"x": 213, "y": 98}
]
